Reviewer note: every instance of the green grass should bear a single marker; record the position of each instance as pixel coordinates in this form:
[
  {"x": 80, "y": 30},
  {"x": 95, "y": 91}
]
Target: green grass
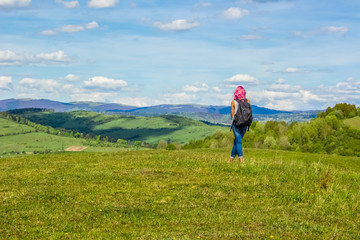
[
  {"x": 353, "y": 122},
  {"x": 8, "y": 127},
  {"x": 37, "y": 142},
  {"x": 18, "y": 138},
  {"x": 187, "y": 194},
  {"x": 42, "y": 141}
]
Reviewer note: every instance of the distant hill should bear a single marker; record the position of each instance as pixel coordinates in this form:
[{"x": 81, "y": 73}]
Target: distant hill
[
  {"x": 209, "y": 113},
  {"x": 131, "y": 128},
  {"x": 9, "y": 104}
]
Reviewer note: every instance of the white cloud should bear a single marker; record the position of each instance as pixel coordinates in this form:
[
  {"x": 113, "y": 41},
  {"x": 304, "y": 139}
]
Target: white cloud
[
  {"x": 176, "y": 25},
  {"x": 308, "y": 96},
  {"x": 72, "y": 78},
  {"x": 349, "y": 85},
  {"x": 225, "y": 99},
  {"x": 92, "y": 25},
  {"x": 286, "y": 105},
  {"x": 5, "y": 83},
  {"x": 14, "y": 3},
  {"x": 347, "y": 91},
  {"x": 180, "y": 98},
  {"x": 102, "y": 3},
  {"x": 70, "y": 4},
  {"x": 288, "y": 97},
  {"x": 280, "y": 81},
  {"x": 293, "y": 70},
  {"x": 9, "y": 58},
  {"x": 70, "y": 28},
  {"x": 136, "y": 101},
  {"x": 94, "y": 96},
  {"x": 104, "y": 83},
  {"x": 324, "y": 30},
  {"x": 250, "y": 37},
  {"x": 29, "y": 85},
  {"x": 217, "y": 89},
  {"x": 241, "y": 79},
  {"x": 48, "y": 33},
  {"x": 197, "y": 87},
  {"x": 234, "y": 13},
  {"x": 284, "y": 87},
  {"x": 339, "y": 30},
  {"x": 54, "y": 57}
]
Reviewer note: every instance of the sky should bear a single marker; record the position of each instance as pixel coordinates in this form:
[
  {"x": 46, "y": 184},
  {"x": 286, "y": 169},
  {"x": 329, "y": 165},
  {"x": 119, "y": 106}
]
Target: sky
[{"x": 287, "y": 54}]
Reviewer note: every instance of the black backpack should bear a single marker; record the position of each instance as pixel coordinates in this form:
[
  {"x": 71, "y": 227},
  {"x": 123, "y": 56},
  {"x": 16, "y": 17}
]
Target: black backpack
[{"x": 243, "y": 116}]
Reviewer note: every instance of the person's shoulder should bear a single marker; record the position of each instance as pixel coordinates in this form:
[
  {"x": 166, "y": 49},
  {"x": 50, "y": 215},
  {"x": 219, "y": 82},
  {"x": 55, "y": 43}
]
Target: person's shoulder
[{"x": 248, "y": 101}]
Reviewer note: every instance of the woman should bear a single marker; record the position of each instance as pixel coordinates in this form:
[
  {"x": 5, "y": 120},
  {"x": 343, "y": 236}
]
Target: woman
[{"x": 239, "y": 132}]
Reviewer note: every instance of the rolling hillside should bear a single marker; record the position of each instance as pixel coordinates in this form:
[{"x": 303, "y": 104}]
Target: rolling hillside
[
  {"x": 147, "y": 129},
  {"x": 16, "y": 138}
]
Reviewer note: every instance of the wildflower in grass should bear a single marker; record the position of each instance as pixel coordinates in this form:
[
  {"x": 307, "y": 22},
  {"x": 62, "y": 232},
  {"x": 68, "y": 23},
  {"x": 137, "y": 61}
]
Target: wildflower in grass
[
  {"x": 271, "y": 236},
  {"x": 100, "y": 210},
  {"x": 198, "y": 237}
]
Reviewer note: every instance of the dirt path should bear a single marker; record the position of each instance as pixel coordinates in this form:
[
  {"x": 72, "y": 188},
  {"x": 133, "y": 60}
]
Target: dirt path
[{"x": 75, "y": 148}]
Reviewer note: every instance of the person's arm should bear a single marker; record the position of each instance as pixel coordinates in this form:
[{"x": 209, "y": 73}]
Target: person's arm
[{"x": 232, "y": 109}]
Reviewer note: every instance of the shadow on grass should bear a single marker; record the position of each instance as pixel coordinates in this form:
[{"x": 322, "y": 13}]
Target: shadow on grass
[{"x": 138, "y": 134}]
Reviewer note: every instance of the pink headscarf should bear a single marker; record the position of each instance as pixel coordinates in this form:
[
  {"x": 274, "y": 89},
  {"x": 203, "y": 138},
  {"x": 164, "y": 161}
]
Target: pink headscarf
[{"x": 239, "y": 93}]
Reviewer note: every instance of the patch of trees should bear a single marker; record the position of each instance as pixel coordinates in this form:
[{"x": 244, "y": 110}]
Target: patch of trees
[
  {"x": 341, "y": 111},
  {"x": 29, "y": 110},
  {"x": 325, "y": 134}
]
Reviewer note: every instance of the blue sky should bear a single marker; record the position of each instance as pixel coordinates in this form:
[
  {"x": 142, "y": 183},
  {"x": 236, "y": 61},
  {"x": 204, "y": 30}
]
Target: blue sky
[{"x": 288, "y": 54}]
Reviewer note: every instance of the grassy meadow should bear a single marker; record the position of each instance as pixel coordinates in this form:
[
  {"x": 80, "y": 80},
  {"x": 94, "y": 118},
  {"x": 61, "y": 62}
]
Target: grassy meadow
[
  {"x": 41, "y": 142},
  {"x": 18, "y": 138},
  {"x": 147, "y": 129},
  {"x": 353, "y": 122},
  {"x": 186, "y": 194},
  {"x": 8, "y": 127}
]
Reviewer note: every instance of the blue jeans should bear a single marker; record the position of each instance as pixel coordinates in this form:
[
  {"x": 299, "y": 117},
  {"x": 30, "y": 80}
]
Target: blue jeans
[{"x": 237, "y": 147}]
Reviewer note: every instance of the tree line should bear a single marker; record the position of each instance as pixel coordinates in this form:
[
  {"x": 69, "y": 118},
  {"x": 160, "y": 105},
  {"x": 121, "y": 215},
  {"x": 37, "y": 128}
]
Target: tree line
[{"x": 327, "y": 133}]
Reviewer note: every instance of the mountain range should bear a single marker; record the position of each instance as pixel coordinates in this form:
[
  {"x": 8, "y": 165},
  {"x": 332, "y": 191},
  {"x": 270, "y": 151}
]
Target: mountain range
[
  {"x": 214, "y": 114},
  {"x": 9, "y": 104}
]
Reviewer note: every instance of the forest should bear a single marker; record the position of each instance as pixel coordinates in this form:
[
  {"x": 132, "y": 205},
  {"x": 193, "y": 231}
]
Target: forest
[{"x": 327, "y": 133}]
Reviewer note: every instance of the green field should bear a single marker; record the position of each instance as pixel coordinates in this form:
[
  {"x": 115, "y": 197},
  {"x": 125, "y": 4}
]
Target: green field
[
  {"x": 147, "y": 129},
  {"x": 8, "y": 127},
  {"x": 37, "y": 142},
  {"x": 18, "y": 138},
  {"x": 186, "y": 194},
  {"x": 353, "y": 122}
]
